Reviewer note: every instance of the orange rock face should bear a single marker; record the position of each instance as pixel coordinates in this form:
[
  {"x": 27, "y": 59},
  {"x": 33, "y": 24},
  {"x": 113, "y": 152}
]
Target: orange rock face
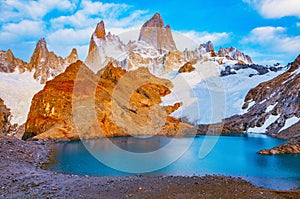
[
  {"x": 79, "y": 104},
  {"x": 186, "y": 68}
]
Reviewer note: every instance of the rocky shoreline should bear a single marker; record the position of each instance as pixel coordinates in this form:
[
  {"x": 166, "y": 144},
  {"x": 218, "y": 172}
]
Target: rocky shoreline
[{"x": 22, "y": 176}]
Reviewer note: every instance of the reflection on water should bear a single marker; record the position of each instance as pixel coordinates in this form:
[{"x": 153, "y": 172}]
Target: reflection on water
[{"x": 234, "y": 156}]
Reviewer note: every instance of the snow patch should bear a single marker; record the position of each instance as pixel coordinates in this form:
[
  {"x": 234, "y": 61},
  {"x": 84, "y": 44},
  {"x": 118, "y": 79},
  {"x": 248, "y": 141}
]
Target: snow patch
[
  {"x": 270, "y": 108},
  {"x": 263, "y": 128},
  {"x": 289, "y": 122},
  {"x": 17, "y": 91},
  {"x": 198, "y": 89}
]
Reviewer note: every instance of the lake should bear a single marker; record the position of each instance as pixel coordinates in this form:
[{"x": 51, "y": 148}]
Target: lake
[{"x": 225, "y": 155}]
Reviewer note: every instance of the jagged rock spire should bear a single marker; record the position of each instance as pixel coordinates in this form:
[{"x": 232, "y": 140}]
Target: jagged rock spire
[{"x": 155, "y": 33}]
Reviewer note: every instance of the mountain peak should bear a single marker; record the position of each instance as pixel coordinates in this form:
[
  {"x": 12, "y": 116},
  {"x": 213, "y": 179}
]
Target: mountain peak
[
  {"x": 41, "y": 44},
  {"x": 155, "y": 21},
  {"x": 73, "y": 57},
  {"x": 154, "y": 32},
  {"x": 40, "y": 53},
  {"x": 9, "y": 63},
  {"x": 47, "y": 64},
  {"x": 100, "y": 30}
]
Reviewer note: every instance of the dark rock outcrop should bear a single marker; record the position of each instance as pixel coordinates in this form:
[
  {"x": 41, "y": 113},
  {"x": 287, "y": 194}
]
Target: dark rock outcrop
[
  {"x": 261, "y": 70},
  {"x": 4, "y": 119}
]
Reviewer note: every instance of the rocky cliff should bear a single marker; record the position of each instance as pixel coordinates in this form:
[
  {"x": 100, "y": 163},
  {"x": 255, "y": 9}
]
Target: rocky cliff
[
  {"x": 275, "y": 102},
  {"x": 121, "y": 108},
  {"x": 44, "y": 64},
  {"x": 9, "y": 63},
  {"x": 154, "y": 32},
  {"x": 47, "y": 64},
  {"x": 4, "y": 118},
  {"x": 102, "y": 47}
]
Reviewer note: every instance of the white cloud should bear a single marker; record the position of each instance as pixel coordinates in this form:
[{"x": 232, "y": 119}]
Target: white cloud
[
  {"x": 90, "y": 13},
  {"x": 276, "y": 8},
  {"x": 271, "y": 44},
  {"x": 26, "y": 29},
  {"x": 63, "y": 40},
  {"x": 14, "y": 10},
  {"x": 298, "y": 24},
  {"x": 70, "y": 36},
  {"x": 274, "y": 39},
  {"x": 64, "y": 23},
  {"x": 192, "y": 39}
]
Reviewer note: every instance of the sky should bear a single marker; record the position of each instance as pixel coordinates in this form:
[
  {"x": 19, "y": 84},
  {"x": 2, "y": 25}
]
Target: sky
[{"x": 267, "y": 30}]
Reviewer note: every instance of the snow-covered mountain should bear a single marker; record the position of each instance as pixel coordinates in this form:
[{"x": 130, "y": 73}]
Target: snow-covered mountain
[
  {"x": 19, "y": 80},
  {"x": 102, "y": 47},
  {"x": 234, "y": 54},
  {"x": 210, "y": 84},
  {"x": 209, "y": 97},
  {"x": 154, "y": 49}
]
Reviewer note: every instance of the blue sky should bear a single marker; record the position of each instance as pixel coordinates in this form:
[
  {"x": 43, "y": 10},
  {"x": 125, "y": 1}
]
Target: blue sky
[{"x": 268, "y": 31}]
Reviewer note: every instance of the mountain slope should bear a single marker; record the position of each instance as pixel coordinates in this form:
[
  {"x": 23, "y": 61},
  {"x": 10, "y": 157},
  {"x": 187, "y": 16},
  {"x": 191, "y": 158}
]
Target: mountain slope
[
  {"x": 65, "y": 108},
  {"x": 204, "y": 91}
]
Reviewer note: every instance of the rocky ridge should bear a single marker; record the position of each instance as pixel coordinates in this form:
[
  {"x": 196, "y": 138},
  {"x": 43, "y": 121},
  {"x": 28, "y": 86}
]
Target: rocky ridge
[
  {"x": 261, "y": 70},
  {"x": 9, "y": 63},
  {"x": 48, "y": 65},
  {"x": 44, "y": 64},
  {"x": 154, "y": 49},
  {"x": 234, "y": 54},
  {"x": 53, "y": 117}
]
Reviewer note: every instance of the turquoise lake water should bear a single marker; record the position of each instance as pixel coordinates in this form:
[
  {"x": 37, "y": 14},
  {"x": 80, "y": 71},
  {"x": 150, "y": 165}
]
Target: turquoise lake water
[{"x": 230, "y": 156}]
